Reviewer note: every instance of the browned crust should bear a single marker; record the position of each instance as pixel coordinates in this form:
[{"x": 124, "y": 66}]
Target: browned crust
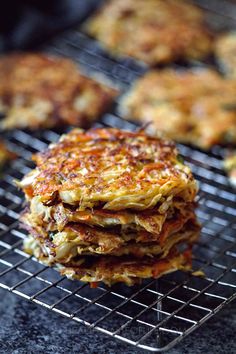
[{"x": 114, "y": 168}]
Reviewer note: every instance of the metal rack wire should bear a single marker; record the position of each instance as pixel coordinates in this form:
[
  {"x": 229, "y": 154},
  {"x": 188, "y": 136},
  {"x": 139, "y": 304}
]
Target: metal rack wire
[{"x": 158, "y": 314}]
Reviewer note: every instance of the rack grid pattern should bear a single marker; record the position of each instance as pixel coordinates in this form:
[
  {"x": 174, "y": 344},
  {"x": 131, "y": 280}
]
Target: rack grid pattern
[{"x": 157, "y": 314}]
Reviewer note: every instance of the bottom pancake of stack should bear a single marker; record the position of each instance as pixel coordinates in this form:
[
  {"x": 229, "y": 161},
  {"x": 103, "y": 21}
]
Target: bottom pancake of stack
[
  {"x": 109, "y": 270},
  {"x": 91, "y": 253}
]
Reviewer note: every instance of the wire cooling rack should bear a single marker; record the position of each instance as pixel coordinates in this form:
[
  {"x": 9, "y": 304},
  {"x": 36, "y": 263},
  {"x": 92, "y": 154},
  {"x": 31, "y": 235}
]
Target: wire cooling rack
[{"x": 158, "y": 314}]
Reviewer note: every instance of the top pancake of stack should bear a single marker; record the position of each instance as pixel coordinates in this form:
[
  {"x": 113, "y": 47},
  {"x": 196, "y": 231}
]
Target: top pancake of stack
[{"x": 111, "y": 170}]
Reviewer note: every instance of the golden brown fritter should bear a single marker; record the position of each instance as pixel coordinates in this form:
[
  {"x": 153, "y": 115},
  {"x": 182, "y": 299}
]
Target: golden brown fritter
[
  {"x": 197, "y": 107},
  {"x": 154, "y": 31},
  {"x": 225, "y": 51},
  {"x": 110, "y": 269},
  {"x": 110, "y": 169},
  {"x": 40, "y": 91}
]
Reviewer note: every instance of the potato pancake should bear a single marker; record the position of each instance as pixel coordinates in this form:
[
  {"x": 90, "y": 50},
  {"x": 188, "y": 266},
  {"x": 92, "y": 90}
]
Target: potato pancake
[
  {"x": 57, "y": 216},
  {"x": 110, "y": 269},
  {"x": 77, "y": 239},
  {"x": 110, "y": 169},
  {"x": 40, "y": 91},
  {"x": 196, "y": 107},
  {"x": 154, "y": 31}
]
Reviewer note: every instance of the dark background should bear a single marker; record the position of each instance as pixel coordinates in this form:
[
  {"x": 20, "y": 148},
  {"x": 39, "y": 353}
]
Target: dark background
[
  {"x": 27, "y": 23},
  {"x": 26, "y": 328}
]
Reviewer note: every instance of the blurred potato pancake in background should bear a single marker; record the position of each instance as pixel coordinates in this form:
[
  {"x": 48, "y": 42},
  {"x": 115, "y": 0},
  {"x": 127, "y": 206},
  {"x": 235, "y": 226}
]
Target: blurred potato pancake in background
[
  {"x": 40, "y": 91},
  {"x": 196, "y": 107},
  {"x": 154, "y": 31}
]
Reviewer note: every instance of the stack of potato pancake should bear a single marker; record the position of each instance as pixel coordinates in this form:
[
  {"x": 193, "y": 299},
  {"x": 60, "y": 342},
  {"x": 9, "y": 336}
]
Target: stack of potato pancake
[{"x": 112, "y": 206}]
